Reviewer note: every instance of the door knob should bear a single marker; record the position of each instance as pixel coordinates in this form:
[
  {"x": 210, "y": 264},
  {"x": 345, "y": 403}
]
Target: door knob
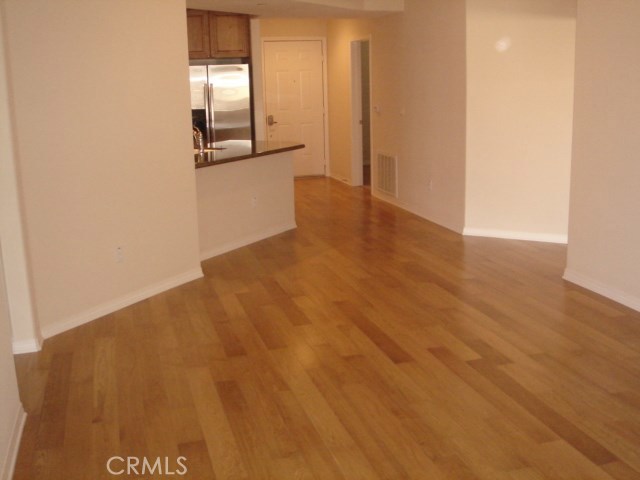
[{"x": 270, "y": 120}]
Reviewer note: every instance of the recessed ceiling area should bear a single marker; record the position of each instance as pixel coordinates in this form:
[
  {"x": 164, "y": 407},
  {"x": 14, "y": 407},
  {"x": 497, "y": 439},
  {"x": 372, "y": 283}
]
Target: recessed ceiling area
[{"x": 302, "y": 8}]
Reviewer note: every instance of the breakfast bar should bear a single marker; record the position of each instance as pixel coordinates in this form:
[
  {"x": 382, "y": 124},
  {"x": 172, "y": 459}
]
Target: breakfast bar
[
  {"x": 235, "y": 150},
  {"x": 247, "y": 196}
]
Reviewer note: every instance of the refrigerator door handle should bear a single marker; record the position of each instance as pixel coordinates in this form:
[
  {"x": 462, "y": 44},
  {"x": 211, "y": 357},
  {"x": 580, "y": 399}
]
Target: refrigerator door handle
[
  {"x": 212, "y": 114},
  {"x": 206, "y": 111}
]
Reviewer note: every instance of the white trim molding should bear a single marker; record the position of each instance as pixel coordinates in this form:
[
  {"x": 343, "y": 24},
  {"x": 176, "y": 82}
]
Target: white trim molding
[
  {"x": 122, "y": 302},
  {"x": 9, "y": 462},
  {"x": 26, "y": 346},
  {"x": 375, "y": 193},
  {"x": 247, "y": 240},
  {"x": 342, "y": 179},
  {"x": 603, "y": 289},
  {"x": 514, "y": 235}
]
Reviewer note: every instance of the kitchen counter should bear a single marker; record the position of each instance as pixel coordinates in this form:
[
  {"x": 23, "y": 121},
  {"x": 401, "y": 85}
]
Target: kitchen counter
[
  {"x": 235, "y": 150},
  {"x": 241, "y": 202}
]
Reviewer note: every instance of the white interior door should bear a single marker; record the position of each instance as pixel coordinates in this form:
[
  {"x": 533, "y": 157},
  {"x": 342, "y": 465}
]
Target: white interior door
[{"x": 294, "y": 99}]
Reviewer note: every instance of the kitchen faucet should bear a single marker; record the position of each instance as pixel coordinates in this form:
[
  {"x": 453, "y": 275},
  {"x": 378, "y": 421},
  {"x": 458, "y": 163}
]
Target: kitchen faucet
[{"x": 198, "y": 139}]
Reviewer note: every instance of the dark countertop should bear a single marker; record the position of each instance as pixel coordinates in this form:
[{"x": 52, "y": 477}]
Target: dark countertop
[{"x": 235, "y": 150}]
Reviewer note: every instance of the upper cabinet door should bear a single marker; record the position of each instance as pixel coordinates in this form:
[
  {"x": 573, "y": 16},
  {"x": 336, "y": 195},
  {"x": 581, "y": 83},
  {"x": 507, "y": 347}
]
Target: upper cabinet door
[
  {"x": 198, "y": 28},
  {"x": 229, "y": 35}
]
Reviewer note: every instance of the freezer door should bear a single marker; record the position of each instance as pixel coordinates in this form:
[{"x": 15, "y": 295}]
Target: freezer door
[
  {"x": 198, "y": 80},
  {"x": 231, "y": 101}
]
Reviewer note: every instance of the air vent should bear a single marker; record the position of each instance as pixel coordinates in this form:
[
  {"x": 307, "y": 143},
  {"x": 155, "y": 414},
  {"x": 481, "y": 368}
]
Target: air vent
[{"x": 387, "y": 174}]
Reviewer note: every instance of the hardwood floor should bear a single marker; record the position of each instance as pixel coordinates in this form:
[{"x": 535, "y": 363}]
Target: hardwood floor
[{"x": 367, "y": 344}]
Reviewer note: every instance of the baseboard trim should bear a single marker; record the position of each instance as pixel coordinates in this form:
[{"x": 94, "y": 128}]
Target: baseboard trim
[
  {"x": 513, "y": 235},
  {"x": 122, "y": 302},
  {"x": 26, "y": 346},
  {"x": 9, "y": 464},
  {"x": 248, "y": 240},
  {"x": 409, "y": 208},
  {"x": 341, "y": 179},
  {"x": 602, "y": 289}
]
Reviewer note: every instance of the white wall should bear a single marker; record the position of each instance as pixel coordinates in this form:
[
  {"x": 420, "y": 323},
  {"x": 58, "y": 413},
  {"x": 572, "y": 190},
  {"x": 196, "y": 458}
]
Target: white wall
[
  {"x": 102, "y": 115},
  {"x": 520, "y": 74},
  {"x": 293, "y": 27},
  {"x": 11, "y": 414},
  {"x": 418, "y": 82},
  {"x": 26, "y": 333},
  {"x": 259, "y": 127},
  {"x": 242, "y": 202},
  {"x": 341, "y": 34},
  {"x": 604, "y": 231}
]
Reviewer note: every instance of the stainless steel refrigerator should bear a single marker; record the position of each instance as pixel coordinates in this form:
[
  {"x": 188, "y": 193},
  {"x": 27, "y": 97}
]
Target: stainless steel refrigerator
[{"x": 221, "y": 101}]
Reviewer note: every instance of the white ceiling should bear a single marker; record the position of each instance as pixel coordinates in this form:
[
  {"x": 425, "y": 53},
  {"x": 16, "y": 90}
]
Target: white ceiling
[{"x": 302, "y": 8}]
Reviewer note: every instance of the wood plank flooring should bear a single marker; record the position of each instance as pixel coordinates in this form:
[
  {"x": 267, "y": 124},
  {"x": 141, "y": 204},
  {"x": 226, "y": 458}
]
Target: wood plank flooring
[{"x": 367, "y": 344}]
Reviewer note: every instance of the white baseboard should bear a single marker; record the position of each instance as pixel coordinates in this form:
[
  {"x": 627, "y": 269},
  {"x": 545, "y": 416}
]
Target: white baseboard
[
  {"x": 10, "y": 457},
  {"x": 596, "y": 286},
  {"x": 122, "y": 302},
  {"x": 411, "y": 209},
  {"x": 341, "y": 179},
  {"x": 248, "y": 240},
  {"x": 513, "y": 235},
  {"x": 30, "y": 345}
]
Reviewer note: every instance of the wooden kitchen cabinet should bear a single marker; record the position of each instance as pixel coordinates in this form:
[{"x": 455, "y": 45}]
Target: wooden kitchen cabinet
[
  {"x": 198, "y": 34},
  {"x": 229, "y": 35},
  {"x": 217, "y": 35}
]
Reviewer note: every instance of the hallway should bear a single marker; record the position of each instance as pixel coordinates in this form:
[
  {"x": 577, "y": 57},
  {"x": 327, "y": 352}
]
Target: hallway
[{"x": 366, "y": 344}]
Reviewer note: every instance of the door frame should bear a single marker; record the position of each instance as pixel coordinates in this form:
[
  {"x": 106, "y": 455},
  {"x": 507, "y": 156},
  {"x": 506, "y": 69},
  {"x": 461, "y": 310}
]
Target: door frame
[
  {"x": 357, "y": 163},
  {"x": 325, "y": 90}
]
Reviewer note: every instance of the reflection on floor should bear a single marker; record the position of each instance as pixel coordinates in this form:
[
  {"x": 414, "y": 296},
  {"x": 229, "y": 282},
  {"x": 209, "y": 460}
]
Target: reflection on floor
[{"x": 367, "y": 344}]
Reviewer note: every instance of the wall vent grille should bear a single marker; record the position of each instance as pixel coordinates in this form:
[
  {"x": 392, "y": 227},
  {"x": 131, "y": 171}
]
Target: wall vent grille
[{"x": 387, "y": 174}]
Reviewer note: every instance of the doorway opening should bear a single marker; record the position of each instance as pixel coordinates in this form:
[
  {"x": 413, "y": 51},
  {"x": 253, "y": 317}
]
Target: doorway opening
[{"x": 361, "y": 113}]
